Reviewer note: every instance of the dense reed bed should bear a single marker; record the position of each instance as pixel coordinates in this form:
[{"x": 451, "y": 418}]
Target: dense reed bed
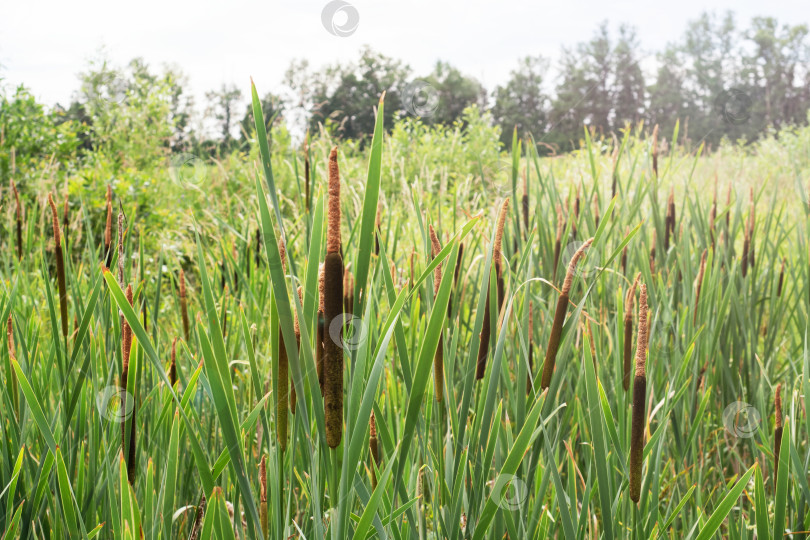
[{"x": 348, "y": 351}]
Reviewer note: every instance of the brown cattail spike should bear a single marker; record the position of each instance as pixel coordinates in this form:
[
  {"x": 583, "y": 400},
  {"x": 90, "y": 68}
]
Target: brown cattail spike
[
  {"x": 19, "y": 220},
  {"x": 60, "y": 267},
  {"x": 173, "y": 365},
  {"x": 525, "y": 202},
  {"x": 297, "y": 328},
  {"x": 531, "y": 349},
  {"x": 777, "y": 433},
  {"x": 320, "y": 337},
  {"x": 333, "y": 217},
  {"x": 333, "y": 312},
  {"x": 497, "y": 255},
  {"x": 639, "y": 396},
  {"x": 559, "y": 317},
  {"x": 263, "y": 495}
]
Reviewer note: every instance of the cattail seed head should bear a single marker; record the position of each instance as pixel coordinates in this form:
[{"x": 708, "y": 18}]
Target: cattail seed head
[
  {"x": 263, "y": 495},
  {"x": 18, "y": 214},
  {"x": 60, "y": 267},
  {"x": 436, "y": 247},
  {"x": 778, "y": 405},
  {"x": 572, "y": 266},
  {"x": 497, "y": 253},
  {"x": 777, "y": 434},
  {"x": 333, "y": 217},
  {"x": 438, "y": 358},
  {"x": 641, "y": 344},
  {"x": 173, "y": 365},
  {"x": 639, "y": 396}
]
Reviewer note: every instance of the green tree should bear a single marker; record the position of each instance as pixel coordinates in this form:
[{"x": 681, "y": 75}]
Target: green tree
[{"x": 521, "y": 102}]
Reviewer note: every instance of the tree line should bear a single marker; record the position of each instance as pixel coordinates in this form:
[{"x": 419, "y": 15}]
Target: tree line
[{"x": 718, "y": 80}]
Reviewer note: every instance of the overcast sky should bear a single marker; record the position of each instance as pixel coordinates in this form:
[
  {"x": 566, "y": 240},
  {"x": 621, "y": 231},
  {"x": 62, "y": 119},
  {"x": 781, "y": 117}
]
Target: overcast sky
[{"x": 45, "y": 43}]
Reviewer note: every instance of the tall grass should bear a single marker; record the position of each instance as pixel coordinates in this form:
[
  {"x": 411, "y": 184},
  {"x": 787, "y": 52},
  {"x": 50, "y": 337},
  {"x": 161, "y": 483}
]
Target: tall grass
[{"x": 393, "y": 433}]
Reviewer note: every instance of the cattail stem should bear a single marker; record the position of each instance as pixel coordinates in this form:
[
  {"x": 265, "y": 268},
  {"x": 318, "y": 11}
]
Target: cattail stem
[
  {"x": 438, "y": 358},
  {"x": 333, "y": 305},
  {"x": 60, "y": 267},
  {"x": 184, "y": 305},
  {"x": 19, "y": 220},
  {"x": 559, "y": 317},
  {"x": 128, "y": 428},
  {"x": 639, "y": 396},
  {"x": 486, "y": 328}
]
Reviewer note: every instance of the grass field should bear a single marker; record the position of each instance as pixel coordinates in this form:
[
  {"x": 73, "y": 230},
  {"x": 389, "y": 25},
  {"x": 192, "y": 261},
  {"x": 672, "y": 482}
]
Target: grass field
[{"x": 115, "y": 430}]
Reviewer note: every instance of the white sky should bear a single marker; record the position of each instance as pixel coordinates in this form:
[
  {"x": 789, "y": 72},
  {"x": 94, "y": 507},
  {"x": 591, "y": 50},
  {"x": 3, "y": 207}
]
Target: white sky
[{"x": 45, "y": 43}]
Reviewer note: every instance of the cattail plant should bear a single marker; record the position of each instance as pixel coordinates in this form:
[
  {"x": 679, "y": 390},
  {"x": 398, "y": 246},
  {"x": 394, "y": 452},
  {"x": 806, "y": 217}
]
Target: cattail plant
[
  {"x": 297, "y": 328},
  {"x": 745, "y": 253},
  {"x": 559, "y": 316},
  {"x": 628, "y": 332},
  {"x": 672, "y": 216},
  {"x": 373, "y": 449},
  {"x": 652, "y": 254},
  {"x": 575, "y": 218},
  {"x": 595, "y": 206},
  {"x": 66, "y": 221},
  {"x": 263, "y": 495},
  {"x": 438, "y": 359},
  {"x": 19, "y": 219},
  {"x": 777, "y": 432},
  {"x": 128, "y": 442},
  {"x": 306, "y": 173},
  {"x": 525, "y": 203},
  {"x": 483, "y": 348},
  {"x": 333, "y": 304},
  {"x": 455, "y": 279},
  {"x": 258, "y": 252},
  {"x": 751, "y": 223},
  {"x": 173, "y": 365},
  {"x": 728, "y": 204},
  {"x": 60, "y": 267},
  {"x": 196, "y": 527},
  {"x": 108, "y": 228},
  {"x": 283, "y": 378},
  {"x": 781, "y": 279},
  {"x": 639, "y": 396},
  {"x": 624, "y": 255},
  {"x": 184, "y": 304},
  {"x": 15, "y": 398},
  {"x": 655, "y": 150},
  {"x": 669, "y": 222},
  {"x": 410, "y": 265},
  {"x": 698, "y": 285}
]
